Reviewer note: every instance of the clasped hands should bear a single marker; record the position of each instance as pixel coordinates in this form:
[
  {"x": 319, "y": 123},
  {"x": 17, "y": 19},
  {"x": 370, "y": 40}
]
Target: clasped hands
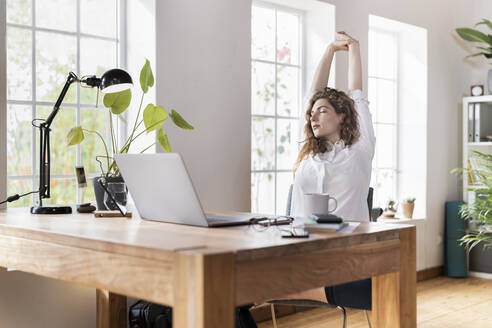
[{"x": 343, "y": 42}]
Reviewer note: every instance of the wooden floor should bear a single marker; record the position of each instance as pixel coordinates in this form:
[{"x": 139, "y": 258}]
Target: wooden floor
[{"x": 441, "y": 302}]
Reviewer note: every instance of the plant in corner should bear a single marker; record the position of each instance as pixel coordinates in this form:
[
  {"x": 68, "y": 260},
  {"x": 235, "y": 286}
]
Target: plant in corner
[
  {"x": 153, "y": 118},
  {"x": 479, "y": 211},
  {"x": 485, "y": 49}
]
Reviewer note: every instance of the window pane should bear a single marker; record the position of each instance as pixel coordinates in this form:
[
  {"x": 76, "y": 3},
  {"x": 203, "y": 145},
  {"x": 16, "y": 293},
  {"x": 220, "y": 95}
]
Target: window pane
[
  {"x": 287, "y": 146},
  {"x": 19, "y": 139},
  {"x": 95, "y": 63},
  {"x": 263, "y": 33},
  {"x": 263, "y": 88},
  {"x": 98, "y": 17},
  {"x": 385, "y": 146},
  {"x": 92, "y": 146},
  {"x": 23, "y": 186},
  {"x": 382, "y": 96},
  {"x": 384, "y": 187},
  {"x": 55, "y": 57},
  {"x": 288, "y": 91},
  {"x": 19, "y": 64},
  {"x": 19, "y": 12},
  {"x": 263, "y": 193},
  {"x": 287, "y": 38},
  {"x": 382, "y": 55},
  {"x": 56, "y": 14},
  {"x": 62, "y": 156},
  {"x": 63, "y": 192},
  {"x": 263, "y": 143},
  {"x": 284, "y": 180}
]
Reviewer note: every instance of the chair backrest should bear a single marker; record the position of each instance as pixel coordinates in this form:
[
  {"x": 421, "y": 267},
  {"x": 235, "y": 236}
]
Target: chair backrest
[{"x": 369, "y": 201}]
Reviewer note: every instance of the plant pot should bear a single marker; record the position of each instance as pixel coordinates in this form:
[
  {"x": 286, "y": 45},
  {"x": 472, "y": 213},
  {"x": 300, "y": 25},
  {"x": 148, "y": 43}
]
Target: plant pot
[
  {"x": 407, "y": 209},
  {"x": 489, "y": 81},
  {"x": 118, "y": 189}
]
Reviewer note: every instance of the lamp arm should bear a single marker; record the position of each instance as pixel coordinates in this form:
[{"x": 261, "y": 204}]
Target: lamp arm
[
  {"x": 70, "y": 79},
  {"x": 44, "y": 142}
]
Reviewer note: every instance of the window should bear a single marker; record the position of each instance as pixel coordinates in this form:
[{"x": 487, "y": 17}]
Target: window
[
  {"x": 383, "y": 96},
  {"x": 276, "y": 78},
  {"x": 398, "y": 97},
  {"x": 43, "y": 46}
]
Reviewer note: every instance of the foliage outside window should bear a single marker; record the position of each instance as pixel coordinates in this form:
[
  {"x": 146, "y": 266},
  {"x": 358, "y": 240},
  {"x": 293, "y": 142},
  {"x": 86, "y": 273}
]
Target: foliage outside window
[
  {"x": 276, "y": 71},
  {"x": 43, "y": 46}
]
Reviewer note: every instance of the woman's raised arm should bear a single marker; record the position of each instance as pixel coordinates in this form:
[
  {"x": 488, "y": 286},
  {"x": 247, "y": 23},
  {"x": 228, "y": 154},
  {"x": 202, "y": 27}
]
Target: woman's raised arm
[
  {"x": 322, "y": 74},
  {"x": 354, "y": 61}
]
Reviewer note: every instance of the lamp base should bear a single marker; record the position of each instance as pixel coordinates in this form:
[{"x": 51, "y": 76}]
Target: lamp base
[{"x": 51, "y": 210}]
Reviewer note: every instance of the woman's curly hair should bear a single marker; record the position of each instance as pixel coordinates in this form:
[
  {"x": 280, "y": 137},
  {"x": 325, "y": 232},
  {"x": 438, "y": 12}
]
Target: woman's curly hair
[{"x": 349, "y": 129}]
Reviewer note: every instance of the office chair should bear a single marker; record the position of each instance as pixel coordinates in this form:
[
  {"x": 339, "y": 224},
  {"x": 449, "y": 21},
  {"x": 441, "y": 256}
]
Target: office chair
[{"x": 357, "y": 294}]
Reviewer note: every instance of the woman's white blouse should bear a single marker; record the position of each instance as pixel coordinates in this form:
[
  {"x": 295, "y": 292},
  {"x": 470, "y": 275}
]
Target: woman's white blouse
[{"x": 343, "y": 172}]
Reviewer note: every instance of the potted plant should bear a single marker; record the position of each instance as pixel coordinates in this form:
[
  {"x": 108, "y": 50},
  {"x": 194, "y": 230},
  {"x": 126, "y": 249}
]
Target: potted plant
[
  {"x": 152, "y": 118},
  {"x": 480, "y": 211},
  {"x": 473, "y": 35},
  {"x": 407, "y": 207}
]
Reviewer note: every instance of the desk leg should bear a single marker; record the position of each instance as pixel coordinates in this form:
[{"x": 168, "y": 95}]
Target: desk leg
[
  {"x": 204, "y": 290},
  {"x": 394, "y": 295},
  {"x": 111, "y": 310}
]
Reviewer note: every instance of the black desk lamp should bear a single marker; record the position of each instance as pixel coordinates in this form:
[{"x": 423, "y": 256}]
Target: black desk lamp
[{"x": 112, "y": 81}]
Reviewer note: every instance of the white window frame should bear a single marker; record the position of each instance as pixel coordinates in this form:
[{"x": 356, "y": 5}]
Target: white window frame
[
  {"x": 301, "y": 67},
  {"x": 3, "y": 103},
  {"x": 396, "y": 169},
  {"x": 121, "y": 61}
]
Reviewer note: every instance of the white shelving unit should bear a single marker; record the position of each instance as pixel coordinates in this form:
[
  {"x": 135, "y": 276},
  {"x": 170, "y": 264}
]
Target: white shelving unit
[
  {"x": 483, "y": 146},
  {"x": 480, "y": 259}
]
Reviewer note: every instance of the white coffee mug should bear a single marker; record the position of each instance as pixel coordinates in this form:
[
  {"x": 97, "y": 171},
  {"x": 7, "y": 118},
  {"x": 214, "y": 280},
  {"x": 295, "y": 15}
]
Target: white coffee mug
[{"x": 318, "y": 203}]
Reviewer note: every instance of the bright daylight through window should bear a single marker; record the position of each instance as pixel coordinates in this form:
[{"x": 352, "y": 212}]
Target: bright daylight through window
[
  {"x": 275, "y": 97},
  {"x": 43, "y": 46}
]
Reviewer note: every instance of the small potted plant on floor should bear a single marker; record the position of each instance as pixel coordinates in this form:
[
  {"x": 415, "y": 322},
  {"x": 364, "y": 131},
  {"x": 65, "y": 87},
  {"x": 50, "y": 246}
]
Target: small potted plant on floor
[
  {"x": 153, "y": 118},
  {"x": 407, "y": 207}
]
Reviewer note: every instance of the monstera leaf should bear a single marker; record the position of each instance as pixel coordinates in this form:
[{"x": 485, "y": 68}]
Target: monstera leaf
[
  {"x": 154, "y": 117},
  {"x": 75, "y": 136},
  {"x": 118, "y": 102},
  {"x": 146, "y": 77}
]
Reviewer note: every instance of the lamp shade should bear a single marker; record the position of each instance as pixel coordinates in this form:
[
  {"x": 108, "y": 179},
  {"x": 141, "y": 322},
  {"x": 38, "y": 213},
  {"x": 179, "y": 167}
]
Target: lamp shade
[{"x": 115, "y": 80}]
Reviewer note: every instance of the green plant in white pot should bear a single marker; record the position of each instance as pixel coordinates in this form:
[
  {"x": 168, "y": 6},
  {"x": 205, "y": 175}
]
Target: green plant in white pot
[
  {"x": 152, "y": 118},
  {"x": 479, "y": 211},
  {"x": 485, "y": 41}
]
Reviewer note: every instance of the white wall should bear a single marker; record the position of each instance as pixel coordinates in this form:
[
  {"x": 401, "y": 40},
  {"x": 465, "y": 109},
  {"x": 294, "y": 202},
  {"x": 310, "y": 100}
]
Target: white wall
[
  {"x": 3, "y": 104},
  {"x": 203, "y": 72}
]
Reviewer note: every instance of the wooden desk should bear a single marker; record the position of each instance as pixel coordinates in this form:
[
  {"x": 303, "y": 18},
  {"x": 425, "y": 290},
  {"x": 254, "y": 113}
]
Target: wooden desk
[{"x": 204, "y": 273}]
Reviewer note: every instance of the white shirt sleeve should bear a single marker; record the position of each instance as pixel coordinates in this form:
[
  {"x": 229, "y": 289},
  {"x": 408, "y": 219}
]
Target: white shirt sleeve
[{"x": 367, "y": 139}]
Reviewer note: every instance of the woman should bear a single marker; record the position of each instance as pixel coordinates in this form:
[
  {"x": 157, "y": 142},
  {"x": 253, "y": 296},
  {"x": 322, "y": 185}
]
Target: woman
[{"x": 337, "y": 153}]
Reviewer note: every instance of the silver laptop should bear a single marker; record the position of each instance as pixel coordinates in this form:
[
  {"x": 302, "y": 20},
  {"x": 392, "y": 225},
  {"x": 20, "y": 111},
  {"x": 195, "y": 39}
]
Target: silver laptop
[{"x": 162, "y": 191}]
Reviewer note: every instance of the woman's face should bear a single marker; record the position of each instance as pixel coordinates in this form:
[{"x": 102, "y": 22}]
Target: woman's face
[{"x": 324, "y": 120}]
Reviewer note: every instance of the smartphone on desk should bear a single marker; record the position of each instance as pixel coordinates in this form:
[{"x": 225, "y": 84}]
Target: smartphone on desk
[{"x": 326, "y": 218}]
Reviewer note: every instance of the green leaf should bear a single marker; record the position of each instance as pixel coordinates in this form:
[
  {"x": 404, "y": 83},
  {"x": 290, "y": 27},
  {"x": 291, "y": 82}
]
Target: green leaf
[
  {"x": 180, "y": 121},
  {"x": 75, "y": 136},
  {"x": 283, "y": 138},
  {"x": 164, "y": 141},
  {"x": 146, "y": 77},
  {"x": 281, "y": 149},
  {"x": 154, "y": 117},
  {"x": 485, "y": 22},
  {"x": 473, "y": 35},
  {"x": 118, "y": 101}
]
